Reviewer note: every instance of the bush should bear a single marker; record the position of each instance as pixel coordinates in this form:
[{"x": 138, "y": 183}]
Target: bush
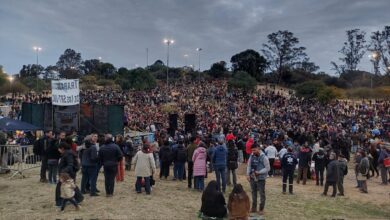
[
  {"x": 309, "y": 89},
  {"x": 242, "y": 80},
  {"x": 138, "y": 79},
  {"x": 367, "y": 93}
]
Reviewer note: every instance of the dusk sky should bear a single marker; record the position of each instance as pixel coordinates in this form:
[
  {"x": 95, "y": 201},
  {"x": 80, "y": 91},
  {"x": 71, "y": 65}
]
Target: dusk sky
[{"x": 119, "y": 31}]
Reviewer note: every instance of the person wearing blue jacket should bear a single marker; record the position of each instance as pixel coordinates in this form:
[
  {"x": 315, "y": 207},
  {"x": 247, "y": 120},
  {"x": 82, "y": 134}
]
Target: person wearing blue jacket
[
  {"x": 219, "y": 164},
  {"x": 289, "y": 162}
]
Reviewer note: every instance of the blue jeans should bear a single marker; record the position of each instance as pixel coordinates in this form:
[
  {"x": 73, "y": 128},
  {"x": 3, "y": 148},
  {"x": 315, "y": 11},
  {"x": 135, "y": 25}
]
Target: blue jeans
[
  {"x": 138, "y": 184},
  {"x": 199, "y": 182},
  {"x": 89, "y": 176},
  {"x": 179, "y": 170},
  {"x": 220, "y": 173},
  {"x": 53, "y": 169},
  {"x": 354, "y": 148}
]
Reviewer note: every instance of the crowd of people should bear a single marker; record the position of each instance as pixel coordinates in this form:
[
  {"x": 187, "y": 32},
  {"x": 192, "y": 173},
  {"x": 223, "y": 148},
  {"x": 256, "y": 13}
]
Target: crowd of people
[{"x": 265, "y": 129}]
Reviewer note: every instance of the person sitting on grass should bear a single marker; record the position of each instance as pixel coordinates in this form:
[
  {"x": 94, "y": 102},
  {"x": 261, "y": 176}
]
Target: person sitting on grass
[
  {"x": 213, "y": 202},
  {"x": 238, "y": 204},
  {"x": 67, "y": 191}
]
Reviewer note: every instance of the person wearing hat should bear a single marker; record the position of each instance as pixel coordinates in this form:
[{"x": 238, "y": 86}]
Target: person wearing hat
[
  {"x": 256, "y": 173},
  {"x": 289, "y": 162},
  {"x": 342, "y": 171}
]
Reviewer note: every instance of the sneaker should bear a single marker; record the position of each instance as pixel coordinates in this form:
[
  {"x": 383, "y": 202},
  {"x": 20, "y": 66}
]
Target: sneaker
[
  {"x": 253, "y": 210},
  {"x": 261, "y": 212},
  {"x": 340, "y": 194},
  {"x": 94, "y": 194},
  {"x": 284, "y": 192}
]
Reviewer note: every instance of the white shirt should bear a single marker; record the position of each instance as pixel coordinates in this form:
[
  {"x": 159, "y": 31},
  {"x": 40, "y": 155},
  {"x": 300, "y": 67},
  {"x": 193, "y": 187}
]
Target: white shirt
[{"x": 271, "y": 152}]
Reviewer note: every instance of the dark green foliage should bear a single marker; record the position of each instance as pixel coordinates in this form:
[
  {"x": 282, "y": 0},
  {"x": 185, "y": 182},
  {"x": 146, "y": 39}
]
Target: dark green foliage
[
  {"x": 251, "y": 62},
  {"x": 218, "y": 69},
  {"x": 242, "y": 80},
  {"x": 138, "y": 79}
]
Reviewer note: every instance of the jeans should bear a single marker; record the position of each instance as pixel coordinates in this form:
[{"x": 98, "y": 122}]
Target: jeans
[
  {"x": 109, "y": 178},
  {"x": 138, "y": 184},
  {"x": 89, "y": 176},
  {"x": 271, "y": 164},
  {"x": 199, "y": 182},
  {"x": 179, "y": 170},
  {"x": 234, "y": 177},
  {"x": 384, "y": 173},
  {"x": 290, "y": 175},
  {"x": 43, "y": 167},
  {"x": 220, "y": 173},
  {"x": 240, "y": 156},
  {"x": 164, "y": 170},
  {"x": 354, "y": 148},
  {"x": 302, "y": 171},
  {"x": 258, "y": 186},
  {"x": 53, "y": 169},
  {"x": 190, "y": 173},
  {"x": 71, "y": 200},
  {"x": 333, "y": 184},
  {"x": 319, "y": 176}
]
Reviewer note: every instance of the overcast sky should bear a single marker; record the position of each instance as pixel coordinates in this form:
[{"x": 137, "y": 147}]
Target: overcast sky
[{"x": 119, "y": 31}]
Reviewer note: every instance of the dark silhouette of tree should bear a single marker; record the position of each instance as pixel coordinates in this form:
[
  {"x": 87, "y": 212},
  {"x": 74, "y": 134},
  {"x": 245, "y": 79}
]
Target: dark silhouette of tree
[
  {"x": 31, "y": 70},
  {"x": 283, "y": 53},
  {"x": 218, "y": 69},
  {"x": 250, "y": 62},
  {"x": 69, "y": 64}
]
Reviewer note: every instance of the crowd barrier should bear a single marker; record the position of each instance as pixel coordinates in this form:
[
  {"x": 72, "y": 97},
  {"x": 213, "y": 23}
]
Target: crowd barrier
[{"x": 17, "y": 159}]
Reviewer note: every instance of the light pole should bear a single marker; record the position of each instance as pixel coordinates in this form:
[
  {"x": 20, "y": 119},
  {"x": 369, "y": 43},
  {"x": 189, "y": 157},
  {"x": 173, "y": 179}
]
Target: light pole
[
  {"x": 374, "y": 59},
  {"x": 186, "y": 59},
  {"x": 11, "y": 79},
  {"x": 199, "y": 49},
  {"x": 37, "y": 49},
  {"x": 168, "y": 42}
]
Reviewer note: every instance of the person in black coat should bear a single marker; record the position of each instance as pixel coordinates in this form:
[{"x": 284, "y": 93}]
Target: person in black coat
[
  {"x": 68, "y": 164},
  {"x": 40, "y": 148},
  {"x": 289, "y": 162},
  {"x": 109, "y": 155},
  {"x": 89, "y": 167},
  {"x": 53, "y": 155},
  {"x": 165, "y": 156},
  {"x": 213, "y": 202},
  {"x": 232, "y": 163},
  {"x": 331, "y": 175},
  {"x": 304, "y": 157},
  {"x": 320, "y": 160}
]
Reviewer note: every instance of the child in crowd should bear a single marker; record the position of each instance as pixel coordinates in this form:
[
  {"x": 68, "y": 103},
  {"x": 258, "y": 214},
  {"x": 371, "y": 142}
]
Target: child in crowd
[{"x": 67, "y": 191}]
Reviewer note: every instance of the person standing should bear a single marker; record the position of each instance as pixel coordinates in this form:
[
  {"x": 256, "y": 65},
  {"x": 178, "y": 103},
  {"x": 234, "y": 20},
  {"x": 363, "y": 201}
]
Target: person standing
[
  {"x": 165, "y": 156},
  {"x": 304, "y": 157},
  {"x": 145, "y": 167},
  {"x": 180, "y": 158},
  {"x": 289, "y": 162},
  {"x": 109, "y": 156},
  {"x": 320, "y": 161},
  {"x": 232, "y": 163},
  {"x": 271, "y": 153},
  {"x": 120, "y": 176},
  {"x": 199, "y": 158},
  {"x": 53, "y": 156},
  {"x": 219, "y": 161},
  {"x": 40, "y": 148},
  {"x": 342, "y": 171},
  {"x": 331, "y": 175},
  {"x": 190, "y": 163},
  {"x": 363, "y": 172},
  {"x": 89, "y": 167},
  {"x": 256, "y": 173},
  {"x": 384, "y": 153}
]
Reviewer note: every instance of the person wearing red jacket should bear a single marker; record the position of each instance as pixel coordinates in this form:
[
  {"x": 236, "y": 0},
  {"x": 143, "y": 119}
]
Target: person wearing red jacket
[{"x": 248, "y": 150}]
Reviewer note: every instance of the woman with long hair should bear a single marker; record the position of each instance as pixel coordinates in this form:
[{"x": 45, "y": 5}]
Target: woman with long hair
[
  {"x": 238, "y": 204},
  {"x": 213, "y": 202}
]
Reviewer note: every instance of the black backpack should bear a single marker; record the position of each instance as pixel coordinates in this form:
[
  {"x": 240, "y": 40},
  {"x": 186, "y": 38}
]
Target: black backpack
[
  {"x": 181, "y": 155},
  {"x": 232, "y": 158}
]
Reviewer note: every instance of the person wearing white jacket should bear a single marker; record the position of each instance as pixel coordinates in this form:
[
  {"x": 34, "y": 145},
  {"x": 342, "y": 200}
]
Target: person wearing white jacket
[
  {"x": 271, "y": 152},
  {"x": 145, "y": 167}
]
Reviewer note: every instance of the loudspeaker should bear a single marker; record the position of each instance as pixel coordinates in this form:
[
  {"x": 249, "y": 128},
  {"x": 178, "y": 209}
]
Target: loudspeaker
[
  {"x": 190, "y": 123},
  {"x": 173, "y": 121}
]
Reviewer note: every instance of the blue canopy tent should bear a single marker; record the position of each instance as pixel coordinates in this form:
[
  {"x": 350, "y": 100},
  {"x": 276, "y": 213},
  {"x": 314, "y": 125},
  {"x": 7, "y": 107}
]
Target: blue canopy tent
[{"x": 7, "y": 125}]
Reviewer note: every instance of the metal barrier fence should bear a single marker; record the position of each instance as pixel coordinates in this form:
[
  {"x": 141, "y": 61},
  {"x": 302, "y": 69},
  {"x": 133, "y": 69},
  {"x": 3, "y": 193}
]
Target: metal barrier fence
[{"x": 17, "y": 159}]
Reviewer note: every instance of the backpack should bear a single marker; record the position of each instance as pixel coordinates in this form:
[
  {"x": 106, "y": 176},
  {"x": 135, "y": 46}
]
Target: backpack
[
  {"x": 232, "y": 159},
  {"x": 363, "y": 169},
  {"x": 181, "y": 154}
]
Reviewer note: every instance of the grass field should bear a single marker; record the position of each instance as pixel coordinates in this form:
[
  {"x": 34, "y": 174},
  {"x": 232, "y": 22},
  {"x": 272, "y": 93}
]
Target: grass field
[{"x": 29, "y": 199}]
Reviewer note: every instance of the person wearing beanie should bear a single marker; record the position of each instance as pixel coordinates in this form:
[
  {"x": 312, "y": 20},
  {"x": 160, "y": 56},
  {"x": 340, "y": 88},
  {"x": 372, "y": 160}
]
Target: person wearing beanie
[
  {"x": 331, "y": 175},
  {"x": 289, "y": 162},
  {"x": 219, "y": 164},
  {"x": 342, "y": 171}
]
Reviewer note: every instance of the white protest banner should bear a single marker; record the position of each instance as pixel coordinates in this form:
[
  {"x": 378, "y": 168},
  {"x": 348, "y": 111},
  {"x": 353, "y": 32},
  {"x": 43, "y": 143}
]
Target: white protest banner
[{"x": 65, "y": 92}]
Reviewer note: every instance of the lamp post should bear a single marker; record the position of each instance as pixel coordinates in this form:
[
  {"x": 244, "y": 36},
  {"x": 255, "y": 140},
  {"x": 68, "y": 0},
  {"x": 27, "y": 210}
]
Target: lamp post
[
  {"x": 199, "y": 49},
  {"x": 374, "y": 58},
  {"x": 37, "y": 50},
  {"x": 168, "y": 42},
  {"x": 11, "y": 79},
  {"x": 186, "y": 59}
]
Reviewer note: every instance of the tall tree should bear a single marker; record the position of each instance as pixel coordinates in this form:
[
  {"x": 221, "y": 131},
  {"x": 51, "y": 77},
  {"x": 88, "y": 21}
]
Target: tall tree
[
  {"x": 353, "y": 50},
  {"x": 282, "y": 52},
  {"x": 249, "y": 61},
  {"x": 69, "y": 64},
  {"x": 31, "y": 70},
  {"x": 376, "y": 48},
  {"x": 92, "y": 66},
  {"x": 218, "y": 69},
  {"x": 386, "y": 52},
  {"x": 50, "y": 72},
  {"x": 108, "y": 70}
]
